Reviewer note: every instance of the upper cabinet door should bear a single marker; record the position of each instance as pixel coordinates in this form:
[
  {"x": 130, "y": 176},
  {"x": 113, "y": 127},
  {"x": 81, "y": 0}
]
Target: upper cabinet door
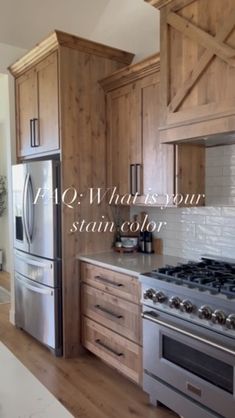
[
  {"x": 48, "y": 105},
  {"x": 37, "y": 107},
  {"x": 26, "y": 112},
  {"x": 124, "y": 138},
  {"x": 158, "y": 159}
]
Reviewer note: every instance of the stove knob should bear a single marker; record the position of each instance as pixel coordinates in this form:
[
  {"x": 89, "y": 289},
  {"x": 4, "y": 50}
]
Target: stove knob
[
  {"x": 205, "y": 312},
  {"x": 160, "y": 297},
  {"x": 230, "y": 321},
  {"x": 186, "y": 306},
  {"x": 219, "y": 317},
  {"x": 149, "y": 294},
  {"x": 174, "y": 302}
]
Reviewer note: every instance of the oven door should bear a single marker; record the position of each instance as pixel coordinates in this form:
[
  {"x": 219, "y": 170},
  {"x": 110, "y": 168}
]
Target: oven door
[{"x": 192, "y": 363}]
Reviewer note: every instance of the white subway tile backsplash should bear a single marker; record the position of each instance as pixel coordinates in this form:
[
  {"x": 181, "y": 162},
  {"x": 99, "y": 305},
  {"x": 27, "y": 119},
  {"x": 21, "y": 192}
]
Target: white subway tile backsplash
[
  {"x": 216, "y": 220},
  {"x": 228, "y": 231},
  {"x": 204, "y": 230},
  {"x": 193, "y": 232},
  {"x": 204, "y": 210},
  {"x": 228, "y": 171},
  {"x": 228, "y": 211},
  {"x": 215, "y": 181},
  {"x": 215, "y": 171},
  {"x": 228, "y": 252}
]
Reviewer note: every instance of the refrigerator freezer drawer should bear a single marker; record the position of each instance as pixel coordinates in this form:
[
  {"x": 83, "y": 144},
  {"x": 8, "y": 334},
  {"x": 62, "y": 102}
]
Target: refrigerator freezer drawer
[
  {"x": 38, "y": 269},
  {"x": 37, "y": 311}
]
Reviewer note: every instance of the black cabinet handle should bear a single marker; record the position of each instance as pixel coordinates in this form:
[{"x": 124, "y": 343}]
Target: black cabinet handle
[
  {"x": 35, "y": 133},
  {"x": 111, "y": 350},
  {"x": 104, "y": 310},
  {"x": 133, "y": 179},
  {"x": 31, "y": 133},
  {"x": 138, "y": 178},
  {"x": 108, "y": 282}
]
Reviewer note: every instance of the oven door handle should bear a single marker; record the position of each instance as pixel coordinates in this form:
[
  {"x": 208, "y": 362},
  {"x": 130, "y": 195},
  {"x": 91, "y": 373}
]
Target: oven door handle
[{"x": 150, "y": 316}]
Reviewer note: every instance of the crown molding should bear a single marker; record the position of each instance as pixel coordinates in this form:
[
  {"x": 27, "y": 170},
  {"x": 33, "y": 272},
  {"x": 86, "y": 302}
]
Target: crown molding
[
  {"x": 57, "y": 39},
  {"x": 158, "y": 3},
  {"x": 131, "y": 73}
]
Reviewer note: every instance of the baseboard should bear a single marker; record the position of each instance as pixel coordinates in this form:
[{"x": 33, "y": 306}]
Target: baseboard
[{"x": 12, "y": 316}]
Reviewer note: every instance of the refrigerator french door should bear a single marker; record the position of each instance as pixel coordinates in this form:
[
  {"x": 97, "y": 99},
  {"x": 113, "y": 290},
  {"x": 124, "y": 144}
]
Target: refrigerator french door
[{"x": 37, "y": 250}]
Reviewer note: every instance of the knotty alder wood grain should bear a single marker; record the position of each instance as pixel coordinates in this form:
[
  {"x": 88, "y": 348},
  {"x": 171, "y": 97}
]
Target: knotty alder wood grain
[
  {"x": 197, "y": 69},
  {"x": 83, "y": 155},
  {"x": 112, "y": 312},
  {"x": 64, "y": 70},
  {"x": 111, "y": 323},
  {"x": 85, "y": 386},
  {"x": 133, "y": 119},
  {"x": 118, "y": 284},
  {"x": 37, "y": 98}
]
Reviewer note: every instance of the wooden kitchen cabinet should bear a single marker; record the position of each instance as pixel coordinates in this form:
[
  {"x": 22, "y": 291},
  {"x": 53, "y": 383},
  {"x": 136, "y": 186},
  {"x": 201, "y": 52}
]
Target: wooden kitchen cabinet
[
  {"x": 124, "y": 134},
  {"x": 37, "y": 109},
  {"x": 197, "y": 70},
  {"x": 133, "y": 139},
  {"x": 111, "y": 318},
  {"x": 57, "y": 82}
]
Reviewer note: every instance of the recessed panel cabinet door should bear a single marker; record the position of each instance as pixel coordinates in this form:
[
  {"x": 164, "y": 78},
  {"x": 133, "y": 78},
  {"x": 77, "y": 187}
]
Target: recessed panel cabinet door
[
  {"x": 124, "y": 140},
  {"x": 158, "y": 159},
  {"x": 48, "y": 105},
  {"x": 26, "y": 111},
  {"x": 37, "y": 105}
]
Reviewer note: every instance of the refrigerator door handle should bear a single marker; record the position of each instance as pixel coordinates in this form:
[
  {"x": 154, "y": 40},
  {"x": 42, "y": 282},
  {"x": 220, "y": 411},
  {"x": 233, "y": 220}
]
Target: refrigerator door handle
[
  {"x": 24, "y": 204},
  {"x": 31, "y": 217},
  {"x": 34, "y": 288}
]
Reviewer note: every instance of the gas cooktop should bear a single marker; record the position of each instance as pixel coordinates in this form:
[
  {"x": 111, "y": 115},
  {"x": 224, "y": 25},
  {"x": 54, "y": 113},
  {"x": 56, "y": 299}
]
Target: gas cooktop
[
  {"x": 201, "y": 292},
  {"x": 208, "y": 274}
]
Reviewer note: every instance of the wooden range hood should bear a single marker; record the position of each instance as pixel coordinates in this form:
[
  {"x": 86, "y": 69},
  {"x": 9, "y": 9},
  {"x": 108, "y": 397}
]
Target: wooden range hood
[{"x": 197, "y": 71}]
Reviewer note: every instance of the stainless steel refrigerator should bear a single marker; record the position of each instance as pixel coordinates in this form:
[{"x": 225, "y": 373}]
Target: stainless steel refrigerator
[{"x": 37, "y": 251}]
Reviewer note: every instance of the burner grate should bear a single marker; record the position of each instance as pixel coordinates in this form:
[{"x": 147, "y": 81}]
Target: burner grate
[{"x": 212, "y": 275}]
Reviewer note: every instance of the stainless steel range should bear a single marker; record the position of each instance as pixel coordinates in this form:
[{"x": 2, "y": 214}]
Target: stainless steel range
[{"x": 189, "y": 337}]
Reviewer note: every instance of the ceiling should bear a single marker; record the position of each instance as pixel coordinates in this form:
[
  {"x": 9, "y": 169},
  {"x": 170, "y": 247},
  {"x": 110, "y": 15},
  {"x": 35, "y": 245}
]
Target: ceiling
[{"x": 128, "y": 24}]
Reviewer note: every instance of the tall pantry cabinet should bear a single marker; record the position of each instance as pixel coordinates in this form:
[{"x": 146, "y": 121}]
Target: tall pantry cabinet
[
  {"x": 138, "y": 162},
  {"x": 60, "y": 111}
]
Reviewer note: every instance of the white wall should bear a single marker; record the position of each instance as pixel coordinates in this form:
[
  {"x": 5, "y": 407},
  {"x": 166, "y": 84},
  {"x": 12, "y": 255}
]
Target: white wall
[
  {"x": 8, "y": 54},
  {"x": 192, "y": 232},
  {"x": 132, "y": 25},
  {"x": 4, "y": 160}
]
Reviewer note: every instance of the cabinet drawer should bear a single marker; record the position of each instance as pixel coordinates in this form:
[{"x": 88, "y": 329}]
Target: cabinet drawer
[
  {"x": 117, "y": 314},
  {"x": 118, "y": 284},
  {"x": 115, "y": 350}
]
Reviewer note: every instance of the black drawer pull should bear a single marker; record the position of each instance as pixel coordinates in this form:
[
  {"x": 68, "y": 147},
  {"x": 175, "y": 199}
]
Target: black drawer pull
[
  {"x": 108, "y": 348},
  {"x": 108, "y": 312},
  {"x": 31, "y": 133},
  {"x": 107, "y": 281}
]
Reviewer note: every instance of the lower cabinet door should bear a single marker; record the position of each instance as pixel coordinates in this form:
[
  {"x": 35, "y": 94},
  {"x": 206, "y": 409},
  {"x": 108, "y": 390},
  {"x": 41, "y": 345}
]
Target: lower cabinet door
[
  {"x": 115, "y": 313},
  {"x": 115, "y": 350}
]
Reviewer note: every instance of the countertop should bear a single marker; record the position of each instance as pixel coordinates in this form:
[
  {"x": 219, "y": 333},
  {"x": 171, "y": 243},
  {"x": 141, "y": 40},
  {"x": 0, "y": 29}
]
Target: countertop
[{"x": 132, "y": 264}]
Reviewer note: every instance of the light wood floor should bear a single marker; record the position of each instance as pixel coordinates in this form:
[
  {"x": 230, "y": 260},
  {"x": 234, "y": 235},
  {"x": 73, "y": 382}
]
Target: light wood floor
[
  {"x": 85, "y": 386},
  {"x": 5, "y": 280}
]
